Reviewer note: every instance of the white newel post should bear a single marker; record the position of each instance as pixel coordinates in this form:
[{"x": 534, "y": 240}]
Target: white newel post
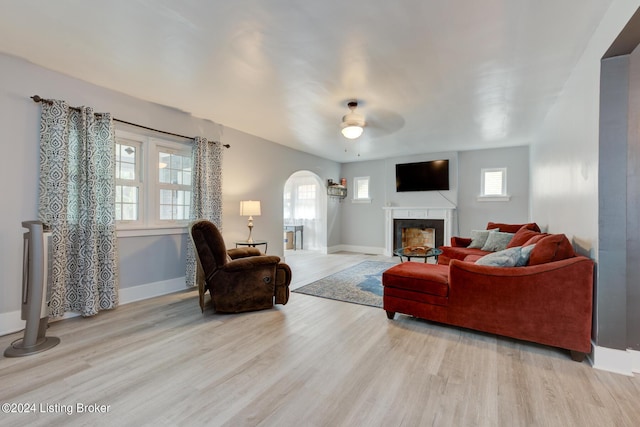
[{"x": 391, "y": 213}]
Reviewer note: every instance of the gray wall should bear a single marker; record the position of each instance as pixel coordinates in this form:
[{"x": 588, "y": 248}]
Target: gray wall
[
  {"x": 150, "y": 259},
  {"x": 474, "y": 214},
  {"x": 633, "y": 205},
  {"x": 565, "y": 183},
  {"x": 363, "y": 223},
  {"x": 618, "y": 287},
  {"x": 611, "y": 286},
  {"x": 252, "y": 168}
]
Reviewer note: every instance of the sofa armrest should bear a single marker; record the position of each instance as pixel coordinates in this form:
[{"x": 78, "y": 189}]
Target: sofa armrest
[
  {"x": 548, "y": 303},
  {"x": 460, "y": 242}
]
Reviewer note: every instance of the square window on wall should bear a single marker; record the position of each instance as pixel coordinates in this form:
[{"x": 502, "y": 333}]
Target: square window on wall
[
  {"x": 361, "y": 189},
  {"x": 493, "y": 184}
]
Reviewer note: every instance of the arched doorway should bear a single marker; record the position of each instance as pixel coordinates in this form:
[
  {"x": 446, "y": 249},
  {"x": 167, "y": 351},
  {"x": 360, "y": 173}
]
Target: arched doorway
[{"x": 305, "y": 207}]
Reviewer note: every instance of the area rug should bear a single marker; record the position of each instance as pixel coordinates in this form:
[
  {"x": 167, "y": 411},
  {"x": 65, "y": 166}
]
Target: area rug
[{"x": 360, "y": 284}]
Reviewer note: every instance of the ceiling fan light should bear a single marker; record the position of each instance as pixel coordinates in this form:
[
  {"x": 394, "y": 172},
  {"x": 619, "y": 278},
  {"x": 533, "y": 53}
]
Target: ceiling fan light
[
  {"x": 352, "y": 123},
  {"x": 352, "y": 131}
]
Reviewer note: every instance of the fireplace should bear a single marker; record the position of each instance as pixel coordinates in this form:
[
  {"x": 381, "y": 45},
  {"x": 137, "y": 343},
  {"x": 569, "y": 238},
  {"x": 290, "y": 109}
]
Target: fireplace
[
  {"x": 440, "y": 219},
  {"x": 418, "y": 232}
]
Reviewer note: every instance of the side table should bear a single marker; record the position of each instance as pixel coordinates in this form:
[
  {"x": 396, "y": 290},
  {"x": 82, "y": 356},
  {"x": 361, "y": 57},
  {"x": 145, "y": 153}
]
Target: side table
[{"x": 253, "y": 244}]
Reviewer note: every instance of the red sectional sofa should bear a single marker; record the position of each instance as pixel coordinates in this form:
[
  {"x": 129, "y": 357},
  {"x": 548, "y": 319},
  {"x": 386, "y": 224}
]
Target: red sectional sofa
[{"x": 549, "y": 301}]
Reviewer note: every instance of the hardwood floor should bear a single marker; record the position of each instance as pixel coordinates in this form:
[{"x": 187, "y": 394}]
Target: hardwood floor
[{"x": 313, "y": 362}]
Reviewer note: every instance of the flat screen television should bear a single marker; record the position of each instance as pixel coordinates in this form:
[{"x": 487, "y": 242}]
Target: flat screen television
[{"x": 423, "y": 176}]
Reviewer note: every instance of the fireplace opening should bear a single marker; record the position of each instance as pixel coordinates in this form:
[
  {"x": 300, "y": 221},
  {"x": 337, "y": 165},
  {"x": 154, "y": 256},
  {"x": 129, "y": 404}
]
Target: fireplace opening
[
  {"x": 418, "y": 232},
  {"x": 418, "y": 237}
]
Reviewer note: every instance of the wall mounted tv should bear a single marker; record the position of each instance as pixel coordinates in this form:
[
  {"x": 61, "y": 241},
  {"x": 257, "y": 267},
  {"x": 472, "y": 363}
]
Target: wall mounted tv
[{"x": 423, "y": 176}]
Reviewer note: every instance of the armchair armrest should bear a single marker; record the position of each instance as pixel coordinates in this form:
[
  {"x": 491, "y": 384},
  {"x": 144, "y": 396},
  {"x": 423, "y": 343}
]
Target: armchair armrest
[
  {"x": 250, "y": 262},
  {"x": 235, "y": 253},
  {"x": 460, "y": 242}
]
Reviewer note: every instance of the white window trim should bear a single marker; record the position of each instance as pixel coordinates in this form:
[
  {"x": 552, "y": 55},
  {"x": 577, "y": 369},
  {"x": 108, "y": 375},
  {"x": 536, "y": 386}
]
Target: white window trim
[
  {"x": 504, "y": 197},
  {"x": 149, "y": 223},
  {"x": 355, "y": 191}
]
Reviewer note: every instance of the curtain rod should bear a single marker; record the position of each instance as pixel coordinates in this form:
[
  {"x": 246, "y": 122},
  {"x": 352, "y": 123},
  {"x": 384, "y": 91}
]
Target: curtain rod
[{"x": 37, "y": 98}]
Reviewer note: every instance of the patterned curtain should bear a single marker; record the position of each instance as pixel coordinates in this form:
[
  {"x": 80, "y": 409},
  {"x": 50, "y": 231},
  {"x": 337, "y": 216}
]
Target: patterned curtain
[
  {"x": 206, "y": 199},
  {"x": 77, "y": 201}
]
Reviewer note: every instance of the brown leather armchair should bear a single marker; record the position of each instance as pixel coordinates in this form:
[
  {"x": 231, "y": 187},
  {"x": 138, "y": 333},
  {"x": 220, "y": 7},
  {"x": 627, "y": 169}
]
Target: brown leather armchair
[{"x": 241, "y": 279}]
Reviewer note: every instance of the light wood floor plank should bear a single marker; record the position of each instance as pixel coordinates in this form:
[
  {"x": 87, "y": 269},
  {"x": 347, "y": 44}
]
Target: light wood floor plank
[{"x": 313, "y": 362}]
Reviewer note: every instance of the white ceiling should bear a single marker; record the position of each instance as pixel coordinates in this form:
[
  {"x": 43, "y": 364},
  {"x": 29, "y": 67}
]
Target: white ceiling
[{"x": 430, "y": 75}]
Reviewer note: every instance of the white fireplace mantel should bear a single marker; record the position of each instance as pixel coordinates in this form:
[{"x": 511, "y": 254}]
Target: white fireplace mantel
[{"x": 399, "y": 212}]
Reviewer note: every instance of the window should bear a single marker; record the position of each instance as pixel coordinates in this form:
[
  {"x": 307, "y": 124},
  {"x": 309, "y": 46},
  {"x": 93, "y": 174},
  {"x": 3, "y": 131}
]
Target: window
[
  {"x": 361, "y": 189},
  {"x": 493, "y": 184},
  {"x": 305, "y": 207},
  {"x": 153, "y": 182},
  {"x": 174, "y": 185},
  {"x": 128, "y": 182}
]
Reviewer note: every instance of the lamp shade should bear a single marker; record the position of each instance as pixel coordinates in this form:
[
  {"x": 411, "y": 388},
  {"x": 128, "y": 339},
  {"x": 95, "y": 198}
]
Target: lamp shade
[
  {"x": 352, "y": 132},
  {"x": 250, "y": 208}
]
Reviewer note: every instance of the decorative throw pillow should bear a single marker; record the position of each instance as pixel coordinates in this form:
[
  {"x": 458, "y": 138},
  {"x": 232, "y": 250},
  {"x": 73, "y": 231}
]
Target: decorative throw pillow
[
  {"x": 554, "y": 247},
  {"x": 521, "y": 237},
  {"x": 506, "y": 258},
  {"x": 535, "y": 239},
  {"x": 512, "y": 228},
  {"x": 479, "y": 238},
  {"x": 525, "y": 254},
  {"x": 497, "y": 241}
]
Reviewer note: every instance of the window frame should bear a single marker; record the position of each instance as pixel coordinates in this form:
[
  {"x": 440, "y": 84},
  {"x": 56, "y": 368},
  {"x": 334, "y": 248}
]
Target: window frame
[
  {"x": 172, "y": 149},
  {"x": 137, "y": 182},
  {"x": 356, "y": 198},
  {"x": 484, "y": 197},
  {"x": 149, "y": 222}
]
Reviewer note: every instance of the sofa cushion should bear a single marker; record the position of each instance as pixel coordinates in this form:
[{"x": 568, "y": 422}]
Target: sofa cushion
[
  {"x": 554, "y": 247},
  {"x": 420, "y": 277},
  {"x": 512, "y": 228},
  {"x": 472, "y": 258},
  {"x": 497, "y": 241},
  {"x": 449, "y": 253},
  {"x": 460, "y": 242},
  {"x": 522, "y": 236},
  {"x": 479, "y": 238}
]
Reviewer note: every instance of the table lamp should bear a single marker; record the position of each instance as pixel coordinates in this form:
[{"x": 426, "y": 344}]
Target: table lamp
[{"x": 250, "y": 208}]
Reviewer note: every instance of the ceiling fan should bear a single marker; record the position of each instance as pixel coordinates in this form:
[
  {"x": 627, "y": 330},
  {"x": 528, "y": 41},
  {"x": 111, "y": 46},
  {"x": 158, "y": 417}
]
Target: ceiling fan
[{"x": 379, "y": 122}]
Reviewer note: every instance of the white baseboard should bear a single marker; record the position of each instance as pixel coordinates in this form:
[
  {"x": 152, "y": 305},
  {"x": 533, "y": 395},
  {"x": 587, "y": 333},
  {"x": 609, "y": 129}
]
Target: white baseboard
[
  {"x": 352, "y": 248},
  {"x": 624, "y": 362},
  {"x": 11, "y": 322},
  {"x": 635, "y": 360},
  {"x": 150, "y": 290}
]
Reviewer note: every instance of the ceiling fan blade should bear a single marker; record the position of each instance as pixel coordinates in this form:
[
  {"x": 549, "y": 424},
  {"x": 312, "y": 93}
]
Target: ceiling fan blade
[{"x": 381, "y": 122}]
